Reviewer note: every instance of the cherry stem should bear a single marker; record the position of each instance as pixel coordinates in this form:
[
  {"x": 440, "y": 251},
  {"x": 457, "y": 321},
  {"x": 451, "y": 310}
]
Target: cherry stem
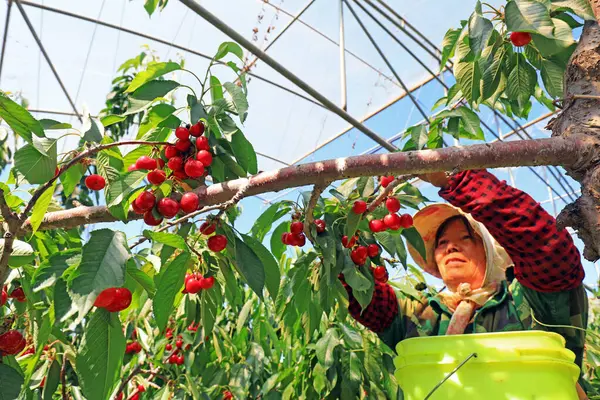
[{"x": 387, "y": 190}]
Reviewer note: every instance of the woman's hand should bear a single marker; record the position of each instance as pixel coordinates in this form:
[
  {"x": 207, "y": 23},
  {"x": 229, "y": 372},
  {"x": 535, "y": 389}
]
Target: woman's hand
[{"x": 438, "y": 179}]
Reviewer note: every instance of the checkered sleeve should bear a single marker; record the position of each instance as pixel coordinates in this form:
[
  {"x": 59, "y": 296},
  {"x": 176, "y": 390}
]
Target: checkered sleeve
[
  {"x": 545, "y": 258},
  {"x": 382, "y": 310}
]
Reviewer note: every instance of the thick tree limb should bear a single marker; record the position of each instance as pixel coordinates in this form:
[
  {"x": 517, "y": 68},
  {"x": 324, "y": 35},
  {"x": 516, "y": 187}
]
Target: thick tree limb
[{"x": 553, "y": 151}]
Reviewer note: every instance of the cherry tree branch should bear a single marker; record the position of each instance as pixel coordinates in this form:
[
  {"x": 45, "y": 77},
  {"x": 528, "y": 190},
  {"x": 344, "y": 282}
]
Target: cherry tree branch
[
  {"x": 309, "y": 218},
  {"x": 552, "y": 151},
  {"x": 126, "y": 379},
  {"x": 387, "y": 190},
  {"x": 5, "y": 210},
  {"x": 63, "y": 379}
]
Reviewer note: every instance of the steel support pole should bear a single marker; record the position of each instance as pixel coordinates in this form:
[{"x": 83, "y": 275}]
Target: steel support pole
[
  {"x": 8, "y": 10},
  {"x": 223, "y": 27},
  {"x": 47, "y": 57},
  {"x": 344, "y": 100}
]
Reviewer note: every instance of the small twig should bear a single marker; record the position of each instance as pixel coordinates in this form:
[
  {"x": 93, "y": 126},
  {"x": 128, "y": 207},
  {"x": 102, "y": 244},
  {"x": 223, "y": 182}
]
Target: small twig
[
  {"x": 9, "y": 239},
  {"x": 63, "y": 379},
  {"x": 309, "y": 218},
  {"x": 387, "y": 190},
  {"x": 194, "y": 250},
  {"x": 7, "y": 213},
  {"x": 124, "y": 382},
  {"x": 234, "y": 200}
]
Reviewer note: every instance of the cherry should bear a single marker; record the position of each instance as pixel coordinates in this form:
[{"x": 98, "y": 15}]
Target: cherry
[
  {"x": 194, "y": 168},
  {"x": 135, "y": 396},
  {"x": 189, "y": 202},
  {"x": 121, "y": 300},
  {"x": 520, "y": 39},
  {"x": 359, "y": 255},
  {"x": 208, "y": 228},
  {"x": 227, "y": 395},
  {"x": 207, "y": 283},
  {"x": 183, "y": 145},
  {"x": 145, "y": 201},
  {"x": 298, "y": 240},
  {"x": 406, "y": 221},
  {"x": 359, "y": 207},
  {"x": 3, "y": 297},
  {"x": 95, "y": 182},
  {"x": 285, "y": 238},
  {"x": 385, "y": 180},
  {"x": 393, "y": 221},
  {"x": 105, "y": 298},
  {"x": 119, "y": 396},
  {"x": 175, "y": 163},
  {"x": 161, "y": 163},
  {"x": 204, "y": 157},
  {"x": 377, "y": 225},
  {"x": 18, "y": 294},
  {"x": 169, "y": 333},
  {"x": 217, "y": 243},
  {"x": 180, "y": 360},
  {"x": 348, "y": 243},
  {"x": 380, "y": 274},
  {"x": 168, "y": 347},
  {"x": 392, "y": 204},
  {"x": 145, "y": 162},
  {"x": 171, "y": 151},
  {"x": 197, "y": 129},
  {"x": 373, "y": 250},
  {"x": 157, "y": 177},
  {"x": 141, "y": 388},
  {"x": 179, "y": 343},
  {"x": 151, "y": 220},
  {"x": 136, "y": 209},
  {"x": 167, "y": 207},
  {"x": 43, "y": 383},
  {"x": 320, "y": 224},
  {"x": 182, "y": 133},
  {"x": 136, "y": 347},
  {"x": 132, "y": 167},
  {"x": 181, "y": 175},
  {"x": 12, "y": 342},
  {"x": 193, "y": 286},
  {"x": 202, "y": 143},
  {"x": 296, "y": 227},
  {"x": 173, "y": 359}
]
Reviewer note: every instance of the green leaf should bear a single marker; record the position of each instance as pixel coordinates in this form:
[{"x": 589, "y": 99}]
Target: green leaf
[
  {"x": 118, "y": 191},
  {"x": 414, "y": 238},
  {"x": 50, "y": 124},
  {"x": 100, "y": 355},
  {"x": 419, "y": 135},
  {"x": 528, "y": 16},
  {"x": 521, "y": 80},
  {"x": 169, "y": 285},
  {"x": 243, "y": 315},
  {"x": 71, "y": 178},
  {"x": 170, "y": 239},
  {"x": 471, "y": 122},
  {"x": 325, "y": 347},
  {"x": 400, "y": 249},
  {"x": 229, "y": 47},
  {"x": 10, "y": 382},
  {"x": 277, "y": 247},
  {"x": 271, "y": 268},
  {"x": 265, "y": 221},
  {"x": 468, "y": 78},
  {"x": 22, "y": 253},
  {"x": 448, "y": 45},
  {"x": 19, "y": 119},
  {"x": 112, "y": 119},
  {"x": 52, "y": 381},
  {"x": 154, "y": 117},
  {"x": 239, "y": 99},
  {"x": 93, "y": 130},
  {"x": 249, "y": 266},
  {"x": 355, "y": 278},
  {"x": 141, "y": 277},
  {"x": 480, "y": 32},
  {"x": 580, "y": 7},
  {"x": 211, "y": 301},
  {"x": 561, "y": 43},
  {"x": 492, "y": 71},
  {"x": 41, "y": 206},
  {"x": 244, "y": 152},
  {"x": 216, "y": 89},
  {"x": 155, "y": 89},
  {"x": 53, "y": 268},
  {"x": 552, "y": 76},
  {"x": 36, "y": 167},
  {"x": 153, "y": 71},
  {"x": 102, "y": 266},
  {"x": 352, "y": 222},
  {"x": 387, "y": 241}
]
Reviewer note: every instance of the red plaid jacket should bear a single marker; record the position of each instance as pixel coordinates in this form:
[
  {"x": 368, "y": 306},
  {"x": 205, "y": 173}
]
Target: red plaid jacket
[{"x": 546, "y": 260}]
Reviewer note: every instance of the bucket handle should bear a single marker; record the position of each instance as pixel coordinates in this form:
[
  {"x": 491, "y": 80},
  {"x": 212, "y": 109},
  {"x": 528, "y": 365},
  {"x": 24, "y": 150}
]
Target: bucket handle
[{"x": 472, "y": 355}]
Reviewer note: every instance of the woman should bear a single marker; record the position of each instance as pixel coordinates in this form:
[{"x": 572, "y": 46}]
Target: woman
[{"x": 489, "y": 227}]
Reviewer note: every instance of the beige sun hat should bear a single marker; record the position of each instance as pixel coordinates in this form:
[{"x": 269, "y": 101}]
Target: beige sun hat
[{"x": 427, "y": 222}]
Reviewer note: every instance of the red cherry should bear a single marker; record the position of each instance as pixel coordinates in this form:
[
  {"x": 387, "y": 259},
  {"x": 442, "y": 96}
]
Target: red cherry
[
  {"x": 141, "y": 388},
  {"x": 151, "y": 220},
  {"x": 385, "y": 180},
  {"x": 406, "y": 221},
  {"x": 43, "y": 383},
  {"x": 320, "y": 224},
  {"x": 135, "y": 396},
  {"x": 119, "y": 396},
  {"x": 204, "y": 157},
  {"x": 194, "y": 168},
  {"x": 175, "y": 163},
  {"x": 18, "y": 294},
  {"x": 182, "y": 133},
  {"x": 183, "y": 145},
  {"x": 227, "y": 395},
  {"x": 359, "y": 207},
  {"x": 169, "y": 333},
  {"x": 520, "y": 39},
  {"x": 168, "y": 347},
  {"x": 12, "y": 342},
  {"x": 173, "y": 359},
  {"x": 3, "y": 297},
  {"x": 121, "y": 301},
  {"x": 392, "y": 221},
  {"x": 348, "y": 244},
  {"x": 95, "y": 182},
  {"x": 167, "y": 207},
  {"x": 171, "y": 151},
  {"x": 181, "y": 175},
  {"x": 202, "y": 143},
  {"x": 359, "y": 255},
  {"x": 392, "y": 204},
  {"x": 145, "y": 201},
  {"x": 180, "y": 360},
  {"x": 132, "y": 167},
  {"x": 179, "y": 343},
  {"x": 189, "y": 202},
  {"x": 137, "y": 347},
  {"x": 296, "y": 227},
  {"x": 207, "y": 283},
  {"x": 157, "y": 176},
  {"x": 373, "y": 250},
  {"x": 376, "y": 225},
  {"x": 145, "y": 162},
  {"x": 105, "y": 298},
  {"x": 161, "y": 162},
  {"x": 285, "y": 238},
  {"x": 217, "y": 243},
  {"x": 297, "y": 239},
  {"x": 193, "y": 286},
  {"x": 379, "y": 273},
  {"x": 197, "y": 129},
  {"x": 208, "y": 228}
]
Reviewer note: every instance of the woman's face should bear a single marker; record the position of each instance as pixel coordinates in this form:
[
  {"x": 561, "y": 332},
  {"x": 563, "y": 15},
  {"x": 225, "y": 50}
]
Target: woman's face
[{"x": 460, "y": 257}]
